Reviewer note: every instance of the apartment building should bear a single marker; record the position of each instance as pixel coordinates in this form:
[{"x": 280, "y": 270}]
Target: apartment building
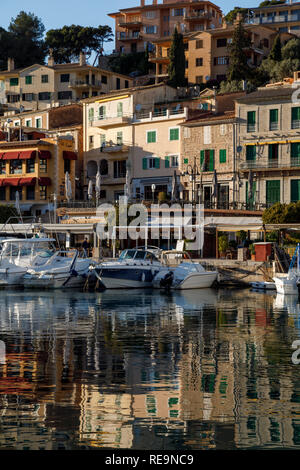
[
  {"x": 207, "y": 55},
  {"x": 283, "y": 17},
  {"x": 109, "y": 134},
  {"x": 36, "y": 169},
  {"x": 136, "y": 27},
  {"x": 269, "y": 145},
  {"x": 41, "y": 86}
]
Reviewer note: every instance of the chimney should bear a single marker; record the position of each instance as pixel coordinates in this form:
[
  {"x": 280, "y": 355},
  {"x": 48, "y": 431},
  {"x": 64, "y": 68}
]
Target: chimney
[
  {"x": 10, "y": 64},
  {"x": 50, "y": 58},
  {"x": 82, "y": 58}
]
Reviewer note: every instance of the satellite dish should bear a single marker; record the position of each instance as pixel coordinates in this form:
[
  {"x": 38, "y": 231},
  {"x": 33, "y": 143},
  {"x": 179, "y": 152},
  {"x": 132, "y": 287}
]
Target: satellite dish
[{"x": 207, "y": 78}]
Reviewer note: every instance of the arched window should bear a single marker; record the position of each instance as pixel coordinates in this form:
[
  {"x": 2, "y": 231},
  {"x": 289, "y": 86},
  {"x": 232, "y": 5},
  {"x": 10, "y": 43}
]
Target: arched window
[
  {"x": 91, "y": 168},
  {"x": 103, "y": 167}
]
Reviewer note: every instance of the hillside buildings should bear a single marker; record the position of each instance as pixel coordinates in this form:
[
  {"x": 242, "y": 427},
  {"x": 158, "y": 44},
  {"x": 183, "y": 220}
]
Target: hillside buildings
[{"x": 282, "y": 17}]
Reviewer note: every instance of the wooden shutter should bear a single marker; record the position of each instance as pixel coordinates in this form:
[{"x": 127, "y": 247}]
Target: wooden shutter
[
  {"x": 273, "y": 191},
  {"x": 295, "y": 190},
  {"x": 145, "y": 164},
  {"x": 222, "y": 155},
  {"x": 167, "y": 162},
  {"x": 211, "y": 160},
  {"x": 157, "y": 162}
]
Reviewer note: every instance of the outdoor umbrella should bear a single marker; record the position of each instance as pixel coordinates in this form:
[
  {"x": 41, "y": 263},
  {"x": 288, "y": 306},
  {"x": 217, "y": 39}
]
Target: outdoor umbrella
[
  {"x": 215, "y": 184},
  {"x": 98, "y": 185},
  {"x": 90, "y": 190},
  {"x": 174, "y": 187},
  {"x": 68, "y": 186},
  {"x": 17, "y": 203},
  {"x": 250, "y": 185},
  {"x": 127, "y": 185}
]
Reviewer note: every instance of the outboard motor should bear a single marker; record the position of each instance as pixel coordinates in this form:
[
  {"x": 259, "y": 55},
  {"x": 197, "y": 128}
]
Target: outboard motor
[{"x": 167, "y": 281}]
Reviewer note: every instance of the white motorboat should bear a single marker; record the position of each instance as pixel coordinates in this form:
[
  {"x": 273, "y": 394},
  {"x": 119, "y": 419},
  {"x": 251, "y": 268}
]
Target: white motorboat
[
  {"x": 288, "y": 283},
  {"x": 263, "y": 285},
  {"x": 17, "y": 255},
  {"x": 135, "y": 268},
  {"x": 63, "y": 270},
  {"x": 184, "y": 275}
]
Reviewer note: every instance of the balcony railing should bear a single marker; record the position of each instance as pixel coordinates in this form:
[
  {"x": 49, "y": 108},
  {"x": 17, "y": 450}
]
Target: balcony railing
[
  {"x": 270, "y": 164},
  {"x": 295, "y": 124},
  {"x": 129, "y": 36},
  {"x": 251, "y": 127},
  {"x": 274, "y": 19},
  {"x": 192, "y": 15},
  {"x": 85, "y": 83},
  {"x": 273, "y": 126}
]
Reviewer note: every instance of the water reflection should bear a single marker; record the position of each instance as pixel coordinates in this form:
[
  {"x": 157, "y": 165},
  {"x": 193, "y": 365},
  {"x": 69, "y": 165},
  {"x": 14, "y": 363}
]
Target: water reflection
[{"x": 145, "y": 370}]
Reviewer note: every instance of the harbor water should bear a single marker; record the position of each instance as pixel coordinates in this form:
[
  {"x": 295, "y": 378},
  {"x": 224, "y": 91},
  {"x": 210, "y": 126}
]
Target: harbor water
[{"x": 141, "y": 369}]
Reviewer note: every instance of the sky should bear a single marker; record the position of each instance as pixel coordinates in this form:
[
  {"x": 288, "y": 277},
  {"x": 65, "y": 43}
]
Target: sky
[{"x": 57, "y": 13}]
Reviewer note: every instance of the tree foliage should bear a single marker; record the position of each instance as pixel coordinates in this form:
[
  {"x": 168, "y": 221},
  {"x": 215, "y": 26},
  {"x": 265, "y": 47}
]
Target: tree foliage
[
  {"x": 232, "y": 14},
  {"x": 128, "y": 63},
  {"x": 267, "y": 3},
  {"x": 282, "y": 213},
  {"x": 176, "y": 69},
  {"x": 277, "y": 70},
  {"x": 67, "y": 42},
  {"x": 275, "y": 53},
  {"x": 238, "y": 62}
]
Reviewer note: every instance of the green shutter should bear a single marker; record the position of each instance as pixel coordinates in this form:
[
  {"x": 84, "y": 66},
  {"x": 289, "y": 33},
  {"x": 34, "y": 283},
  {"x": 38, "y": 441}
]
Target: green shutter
[
  {"x": 120, "y": 110},
  {"x": 174, "y": 134},
  {"x": 222, "y": 155},
  {"x": 251, "y": 117},
  {"x": 145, "y": 164},
  {"x": 91, "y": 114},
  {"x": 157, "y": 162},
  {"x": 295, "y": 190},
  {"x": 211, "y": 160},
  {"x": 167, "y": 162},
  {"x": 273, "y": 152},
  {"x": 202, "y": 156},
  {"x": 273, "y": 191},
  {"x": 273, "y": 115},
  {"x": 185, "y": 160},
  {"x": 251, "y": 152},
  {"x": 295, "y": 153},
  {"x": 28, "y": 80},
  {"x": 151, "y": 137},
  {"x": 14, "y": 81},
  {"x": 296, "y": 114},
  {"x": 251, "y": 201}
]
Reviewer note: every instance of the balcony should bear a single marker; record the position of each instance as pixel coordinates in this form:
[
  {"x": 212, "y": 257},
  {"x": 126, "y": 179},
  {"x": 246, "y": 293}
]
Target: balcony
[
  {"x": 135, "y": 23},
  {"x": 129, "y": 37},
  {"x": 114, "y": 147},
  {"x": 85, "y": 84},
  {"x": 261, "y": 165},
  {"x": 162, "y": 59},
  {"x": 197, "y": 15},
  {"x": 274, "y": 19},
  {"x": 161, "y": 114},
  {"x": 111, "y": 121}
]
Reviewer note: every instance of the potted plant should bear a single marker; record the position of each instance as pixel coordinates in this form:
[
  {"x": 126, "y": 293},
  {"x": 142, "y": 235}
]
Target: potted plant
[
  {"x": 223, "y": 245},
  {"x": 252, "y": 251}
]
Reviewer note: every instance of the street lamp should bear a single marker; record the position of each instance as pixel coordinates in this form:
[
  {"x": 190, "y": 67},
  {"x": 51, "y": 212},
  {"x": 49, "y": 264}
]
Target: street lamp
[
  {"x": 153, "y": 187},
  {"x": 193, "y": 172}
]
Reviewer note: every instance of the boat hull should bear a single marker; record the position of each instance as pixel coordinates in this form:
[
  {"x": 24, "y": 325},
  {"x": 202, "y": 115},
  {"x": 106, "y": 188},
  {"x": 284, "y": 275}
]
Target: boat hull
[
  {"x": 124, "y": 278},
  {"x": 54, "y": 282},
  {"x": 286, "y": 286},
  {"x": 198, "y": 281},
  {"x": 11, "y": 278}
]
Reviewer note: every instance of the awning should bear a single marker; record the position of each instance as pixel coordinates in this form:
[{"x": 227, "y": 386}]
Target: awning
[
  {"x": 11, "y": 156},
  {"x": 234, "y": 224},
  {"x": 27, "y": 181},
  {"x": 69, "y": 155},
  {"x": 11, "y": 181},
  {"x": 44, "y": 154},
  {"x": 44, "y": 181},
  {"x": 27, "y": 154}
]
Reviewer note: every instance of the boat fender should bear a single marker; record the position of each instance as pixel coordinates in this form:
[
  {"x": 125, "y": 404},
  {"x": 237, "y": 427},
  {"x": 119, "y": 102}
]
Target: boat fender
[
  {"x": 143, "y": 277},
  {"x": 167, "y": 280}
]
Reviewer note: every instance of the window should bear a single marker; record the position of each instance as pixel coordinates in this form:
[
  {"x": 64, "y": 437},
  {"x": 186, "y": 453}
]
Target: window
[
  {"x": 273, "y": 192},
  {"x": 273, "y": 155},
  {"x": 295, "y": 153},
  {"x": 44, "y": 96},
  {"x": 91, "y": 142},
  {"x": 171, "y": 161},
  {"x": 207, "y": 160},
  {"x": 151, "y": 137},
  {"x": 28, "y": 80},
  {"x": 151, "y": 163},
  {"x": 223, "y": 129},
  {"x": 251, "y": 153},
  {"x": 222, "y": 42},
  {"x": 38, "y": 123},
  {"x": 13, "y": 98},
  {"x": 67, "y": 166},
  {"x": 12, "y": 193},
  {"x": 91, "y": 114},
  {"x": 43, "y": 165},
  {"x": 104, "y": 79},
  {"x": 199, "y": 62},
  {"x": 296, "y": 118},
  {"x": 2, "y": 194},
  {"x": 102, "y": 112},
  {"x": 120, "y": 169},
  {"x": 126, "y": 84},
  {"x": 150, "y": 14},
  {"x": 44, "y": 78},
  {"x": 43, "y": 192},
  {"x": 65, "y": 78},
  {"x": 178, "y": 11},
  {"x": 2, "y": 167},
  {"x": 120, "y": 110},
  {"x": 174, "y": 133},
  {"x": 251, "y": 121},
  {"x": 15, "y": 167},
  {"x": 120, "y": 138},
  {"x": 273, "y": 119},
  {"x": 199, "y": 44},
  {"x": 28, "y": 122},
  {"x": 30, "y": 193},
  {"x": 118, "y": 85},
  {"x": 222, "y": 155},
  {"x": 14, "y": 81},
  {"x": 207, "y": 135},
  {"x": 250, "y": 202},
  {"x": 27, "y": 96},
  {"x": 295, "y": 190},
  {"x": 224, "y": 60},
  {"x": 199, "y": 79},
  {"x": 64, "y": 95},
  {"x": 30, "y": 167},
  {"x": 102, "y": 139},
  {"x": 150, "y": 29}
]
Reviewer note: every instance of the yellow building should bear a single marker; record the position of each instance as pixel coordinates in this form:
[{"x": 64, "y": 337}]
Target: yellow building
[{"x": 36, "y": 169}]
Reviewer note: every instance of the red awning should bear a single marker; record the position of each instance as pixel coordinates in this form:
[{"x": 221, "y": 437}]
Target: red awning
[
  {"x": 27, "y": 154},
  {"x": 69, "y": 155},
  {"x": 10, "y": 182},
  {"x": 2, "y": 155},
  {"x": 11, "y": 156},
  {"x": 44, "y": 181},
  {"x": 27, "y": 181},
  {"x": 44, "y": 154}
]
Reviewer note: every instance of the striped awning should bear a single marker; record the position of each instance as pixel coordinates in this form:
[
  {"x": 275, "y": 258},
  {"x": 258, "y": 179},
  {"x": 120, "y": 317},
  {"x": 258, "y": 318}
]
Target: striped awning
[
  {"x": 10, "y": 181},
  {"x": 27, "y": 181},
  {"x": 11, "y": 156},
  {"x": 27, "y": 155}
]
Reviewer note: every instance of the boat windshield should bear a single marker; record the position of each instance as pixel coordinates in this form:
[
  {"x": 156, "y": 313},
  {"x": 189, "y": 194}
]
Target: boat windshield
[
  {"x": 127, "y": 254},
  {"x": 20, "y": 249}
]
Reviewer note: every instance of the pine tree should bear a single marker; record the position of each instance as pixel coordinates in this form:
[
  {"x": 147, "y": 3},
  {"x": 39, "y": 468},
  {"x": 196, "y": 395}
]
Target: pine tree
[
  {"x": 275, "y": 53},
  {"x": 238, "y": 66},
  {"x": 176, "y": 69}
]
